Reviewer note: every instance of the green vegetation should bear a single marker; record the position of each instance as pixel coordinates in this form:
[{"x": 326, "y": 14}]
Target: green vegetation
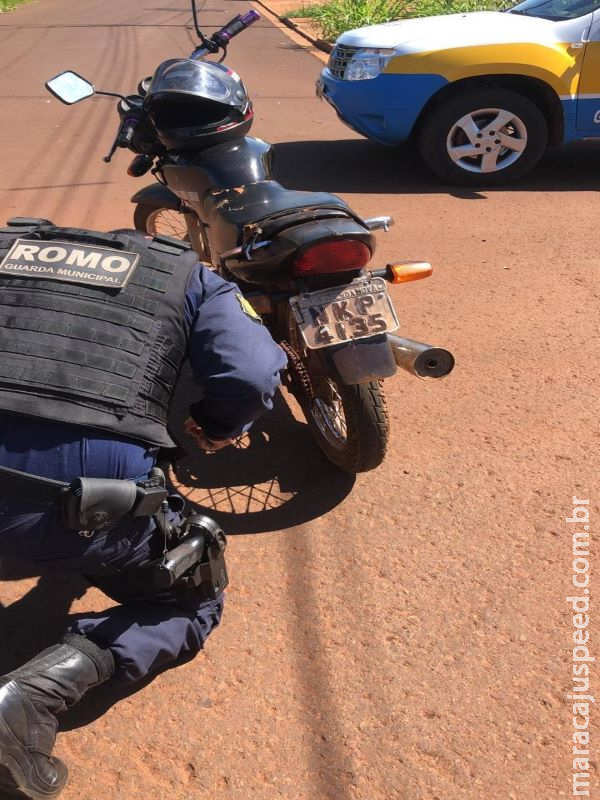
[
  {"x": 6, "y": 5},
  {"x": 336, "y": 16}
]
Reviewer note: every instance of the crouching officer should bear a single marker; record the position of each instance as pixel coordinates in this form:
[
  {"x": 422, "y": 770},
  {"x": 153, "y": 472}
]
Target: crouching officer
[{"x": 94, "y": 329}]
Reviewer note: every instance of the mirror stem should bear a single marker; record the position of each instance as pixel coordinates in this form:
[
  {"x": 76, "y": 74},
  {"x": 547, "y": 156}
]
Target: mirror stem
[{"x": 111, "y": 94}]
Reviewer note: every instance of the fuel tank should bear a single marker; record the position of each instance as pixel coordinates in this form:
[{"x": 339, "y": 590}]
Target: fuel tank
[{"x": 225, "y": 166}]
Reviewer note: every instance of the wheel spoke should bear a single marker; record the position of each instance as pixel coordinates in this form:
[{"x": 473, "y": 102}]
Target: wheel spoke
[
  {"x": 167, "y": 222},
  {"x": 341, "y": 420},
  {"x": 330, "y": 415},
  {"x": 489, "y": 162},
  {"x": 464, "y": 151},
  {"x": 513, "y": 143},
  {"x": 470, "y": 127},
  {"x": 337, "y": 410},
  {"x": 503, "y": 118}
]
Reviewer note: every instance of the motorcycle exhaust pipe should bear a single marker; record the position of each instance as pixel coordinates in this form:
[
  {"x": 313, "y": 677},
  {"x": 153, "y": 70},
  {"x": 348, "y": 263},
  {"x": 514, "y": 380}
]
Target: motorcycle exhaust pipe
[{"x": 421, "y": 359}]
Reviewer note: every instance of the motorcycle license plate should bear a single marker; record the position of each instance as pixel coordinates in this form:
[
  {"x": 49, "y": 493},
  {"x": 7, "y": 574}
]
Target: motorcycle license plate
[{"x": 344, "y": 313}]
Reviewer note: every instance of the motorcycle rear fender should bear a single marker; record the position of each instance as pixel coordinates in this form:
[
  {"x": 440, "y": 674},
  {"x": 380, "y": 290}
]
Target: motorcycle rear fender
[
  {"x": 158, "y": 196},
  {"x": 360, "y": 361}
]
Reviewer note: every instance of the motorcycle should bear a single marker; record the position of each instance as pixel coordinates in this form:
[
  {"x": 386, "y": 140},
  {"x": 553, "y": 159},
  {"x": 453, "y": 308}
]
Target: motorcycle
[{"x": 300, "y": 259}]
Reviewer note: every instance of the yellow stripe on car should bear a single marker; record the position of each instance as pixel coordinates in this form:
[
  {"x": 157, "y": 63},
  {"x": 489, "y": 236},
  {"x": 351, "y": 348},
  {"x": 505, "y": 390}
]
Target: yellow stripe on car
[{"x": 558, "y": 65}]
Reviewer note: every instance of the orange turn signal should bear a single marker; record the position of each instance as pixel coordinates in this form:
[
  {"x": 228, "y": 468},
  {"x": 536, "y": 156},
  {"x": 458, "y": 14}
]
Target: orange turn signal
[{"x": 409, "y": 271}]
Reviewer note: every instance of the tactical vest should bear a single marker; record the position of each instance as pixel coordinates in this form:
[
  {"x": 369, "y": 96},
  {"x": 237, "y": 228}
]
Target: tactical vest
[{"x": 89, "y": 353}]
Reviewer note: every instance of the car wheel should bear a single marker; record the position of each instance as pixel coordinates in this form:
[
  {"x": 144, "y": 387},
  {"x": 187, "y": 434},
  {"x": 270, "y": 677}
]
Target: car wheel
[{"x": 484, "y": 137}]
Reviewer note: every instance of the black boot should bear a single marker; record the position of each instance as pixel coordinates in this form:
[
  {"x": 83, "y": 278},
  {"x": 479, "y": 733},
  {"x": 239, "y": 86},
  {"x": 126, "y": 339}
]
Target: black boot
[{"x": 30, "y": 697}]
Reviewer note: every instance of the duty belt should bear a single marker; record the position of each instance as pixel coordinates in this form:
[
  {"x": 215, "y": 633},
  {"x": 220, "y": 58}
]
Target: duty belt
[
  {"x": 195, "y": 566},
  {"x": 30, "y": 488},
  {"x": 88, "y": 503}
]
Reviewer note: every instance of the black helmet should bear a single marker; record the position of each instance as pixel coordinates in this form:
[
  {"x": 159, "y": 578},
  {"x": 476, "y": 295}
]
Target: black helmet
[{"x": 196, "y": 104}]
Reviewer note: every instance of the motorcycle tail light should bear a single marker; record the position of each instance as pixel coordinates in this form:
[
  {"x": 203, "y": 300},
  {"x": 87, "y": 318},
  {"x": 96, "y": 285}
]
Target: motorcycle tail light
[{"x": 337, "y": 256}]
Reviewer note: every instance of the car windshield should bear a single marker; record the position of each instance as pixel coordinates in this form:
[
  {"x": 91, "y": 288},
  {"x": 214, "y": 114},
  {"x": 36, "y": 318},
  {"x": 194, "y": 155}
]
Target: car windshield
[{"x": 555, "y": 9}]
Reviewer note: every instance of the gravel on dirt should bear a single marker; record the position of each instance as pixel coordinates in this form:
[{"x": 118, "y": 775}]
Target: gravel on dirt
[{"x": 404, "y": 635}]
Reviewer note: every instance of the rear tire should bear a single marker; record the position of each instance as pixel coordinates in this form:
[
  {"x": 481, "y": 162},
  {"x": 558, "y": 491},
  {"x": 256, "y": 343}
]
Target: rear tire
[
  {"x": 350, "y": 423},
  {"x": 367, "y": 427}
]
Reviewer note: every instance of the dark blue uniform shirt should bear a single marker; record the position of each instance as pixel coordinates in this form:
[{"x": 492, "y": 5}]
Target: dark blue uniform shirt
[{"x": 235, "y": 363}]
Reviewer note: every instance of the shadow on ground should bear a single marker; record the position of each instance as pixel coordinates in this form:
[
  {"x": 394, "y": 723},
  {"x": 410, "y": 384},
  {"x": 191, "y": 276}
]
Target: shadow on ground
[
  {"x": 357, "y": 165},
  {"x": 38, "y": 620},
  {"x": 276, "y": 478}
]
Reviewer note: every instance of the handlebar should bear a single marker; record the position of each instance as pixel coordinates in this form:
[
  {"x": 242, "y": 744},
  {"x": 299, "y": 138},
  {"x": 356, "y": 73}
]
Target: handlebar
[
  {"x": 126, "y": 131},
  {"x": 235, "y": 26},
  {"x": 220, "y": 39},
  {"x": 124, "y": 135}
]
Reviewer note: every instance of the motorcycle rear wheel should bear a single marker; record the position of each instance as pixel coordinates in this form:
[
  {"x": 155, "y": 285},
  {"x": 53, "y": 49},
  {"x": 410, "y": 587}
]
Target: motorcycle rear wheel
[
  {"x": 168, "y": 222},
  {"x": 155, "y": 221},
  {"x": 350, "y": 423}
]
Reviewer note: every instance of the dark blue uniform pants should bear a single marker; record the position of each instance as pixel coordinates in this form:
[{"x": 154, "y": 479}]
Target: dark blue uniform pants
[{"x": 142, "y": 637}]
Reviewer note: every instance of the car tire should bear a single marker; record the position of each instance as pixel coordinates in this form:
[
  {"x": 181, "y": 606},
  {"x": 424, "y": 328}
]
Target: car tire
[{"x": 483, "y": 137}]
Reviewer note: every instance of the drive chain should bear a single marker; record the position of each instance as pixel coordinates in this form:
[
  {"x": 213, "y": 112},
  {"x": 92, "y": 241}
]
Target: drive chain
[{"x": 298, "y": 374}]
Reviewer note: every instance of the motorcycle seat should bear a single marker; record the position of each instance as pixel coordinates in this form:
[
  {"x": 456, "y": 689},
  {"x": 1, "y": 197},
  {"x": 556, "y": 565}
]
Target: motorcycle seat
[{"x": 245, "y": 205}]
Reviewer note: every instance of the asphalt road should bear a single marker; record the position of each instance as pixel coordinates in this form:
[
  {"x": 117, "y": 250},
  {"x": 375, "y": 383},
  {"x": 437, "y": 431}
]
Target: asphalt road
[{"x": 404, "y": 636}]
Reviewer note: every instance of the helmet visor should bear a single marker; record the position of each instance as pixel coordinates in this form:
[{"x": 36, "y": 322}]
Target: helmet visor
[{"x": 197, "y": 79}]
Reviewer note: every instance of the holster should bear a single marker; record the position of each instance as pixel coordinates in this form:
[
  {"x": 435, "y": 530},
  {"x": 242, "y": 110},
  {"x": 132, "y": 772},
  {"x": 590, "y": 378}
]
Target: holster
[
  {"x": 94, "y": 503},
  {"x": 196, "y": 565}
]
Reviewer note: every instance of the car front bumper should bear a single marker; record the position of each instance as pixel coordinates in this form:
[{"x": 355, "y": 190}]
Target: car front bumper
[{"x": 384, "y": 108}]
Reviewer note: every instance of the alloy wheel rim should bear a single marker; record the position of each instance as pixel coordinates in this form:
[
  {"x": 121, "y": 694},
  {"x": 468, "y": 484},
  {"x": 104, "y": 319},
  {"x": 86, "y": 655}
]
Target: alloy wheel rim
[{"x": 487, "y": 140}]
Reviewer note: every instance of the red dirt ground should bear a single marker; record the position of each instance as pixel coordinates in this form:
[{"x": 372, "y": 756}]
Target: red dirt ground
[{"x": 403, "y": 636}]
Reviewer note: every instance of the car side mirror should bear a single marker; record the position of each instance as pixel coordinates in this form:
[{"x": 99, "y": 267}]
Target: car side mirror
[{"x": 69, "y": 87}]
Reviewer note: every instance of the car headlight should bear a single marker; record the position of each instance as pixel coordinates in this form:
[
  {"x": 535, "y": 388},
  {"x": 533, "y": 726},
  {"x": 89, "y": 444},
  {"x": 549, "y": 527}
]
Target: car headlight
[{"x": 368, "y": 63}]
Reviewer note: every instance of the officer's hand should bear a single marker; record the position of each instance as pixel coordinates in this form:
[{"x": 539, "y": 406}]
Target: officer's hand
[{"x": 204, "y": 443}]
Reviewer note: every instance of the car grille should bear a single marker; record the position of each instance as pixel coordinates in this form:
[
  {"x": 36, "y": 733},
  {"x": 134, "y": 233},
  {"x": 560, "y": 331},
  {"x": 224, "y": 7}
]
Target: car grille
[{"x": 339, "y": 60}]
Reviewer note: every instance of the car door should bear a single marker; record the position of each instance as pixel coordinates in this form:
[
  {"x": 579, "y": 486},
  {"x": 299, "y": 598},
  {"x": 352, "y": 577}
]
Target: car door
[{"x": 588, "y": 96}]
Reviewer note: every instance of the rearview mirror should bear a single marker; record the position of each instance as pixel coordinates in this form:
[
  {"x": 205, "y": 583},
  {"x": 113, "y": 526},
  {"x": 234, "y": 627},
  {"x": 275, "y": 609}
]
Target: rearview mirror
[{"x": 69, "y": 87}]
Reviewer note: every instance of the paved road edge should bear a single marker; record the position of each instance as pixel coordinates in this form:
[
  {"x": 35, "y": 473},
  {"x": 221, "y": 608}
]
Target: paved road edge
[{"x": 319, "y": 48}]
